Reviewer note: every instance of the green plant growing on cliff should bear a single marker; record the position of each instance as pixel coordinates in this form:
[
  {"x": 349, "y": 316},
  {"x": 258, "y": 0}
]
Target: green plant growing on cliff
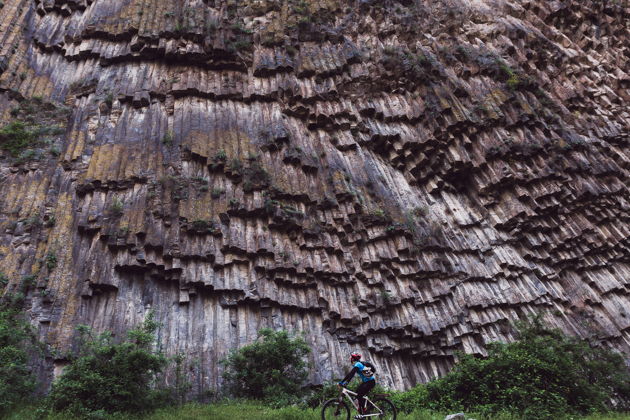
[
  {"x": 51, "y": 261},
  {"x": 107, "y": 377},
  {"x": 216, "y": 192},
  {"x": 182, "y": 385},
  {"x": 270, "y": 369},
  {"x": 116, "y": 206},
  {"x": 16, "y": 137},
  {"x": 386, "y": 295},
  {"x": 513, "y": 81},
  {"x": 167, "y": 140},
  {"x": 235, "y": 166},
  {"x": 543, "y": 375},
  {"x": 201, "y": 225},
  {"x": 16, "y": 342},
  {"x": 219, "y": 157},
  {"x": 239, "y": 45},
  {"x": 240, "y": 28},
  {"x": 33, "y": 221}
]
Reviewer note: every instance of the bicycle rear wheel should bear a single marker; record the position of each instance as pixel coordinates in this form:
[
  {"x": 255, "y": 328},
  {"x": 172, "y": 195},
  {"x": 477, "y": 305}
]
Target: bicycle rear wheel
[
  {"x": 387, "y": 407},
  {"x": 335, "y": 410}
]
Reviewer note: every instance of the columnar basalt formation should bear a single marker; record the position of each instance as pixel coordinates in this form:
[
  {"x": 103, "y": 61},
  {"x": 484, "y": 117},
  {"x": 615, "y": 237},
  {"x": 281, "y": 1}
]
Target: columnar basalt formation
[{"x": 400, "y": 177}]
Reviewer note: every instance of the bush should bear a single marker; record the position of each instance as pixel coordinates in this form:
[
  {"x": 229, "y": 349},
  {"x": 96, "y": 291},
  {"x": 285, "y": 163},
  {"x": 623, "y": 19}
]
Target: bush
[
  {"x": 16, "y": 137},
  {"x": 413, "y": 399},
  {"x": 16, "y": 341},
  {"x": 106, "y": 378},
  {"x": 543, "y": 375},
  {"x": 272, "y": 369}
]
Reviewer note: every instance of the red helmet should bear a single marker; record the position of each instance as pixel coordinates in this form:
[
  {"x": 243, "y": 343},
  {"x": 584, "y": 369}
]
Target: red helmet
[{"x": 354, "y": 357}]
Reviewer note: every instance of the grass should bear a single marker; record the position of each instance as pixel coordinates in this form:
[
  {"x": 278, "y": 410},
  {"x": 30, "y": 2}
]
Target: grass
[{"x": 252, "y": 410}]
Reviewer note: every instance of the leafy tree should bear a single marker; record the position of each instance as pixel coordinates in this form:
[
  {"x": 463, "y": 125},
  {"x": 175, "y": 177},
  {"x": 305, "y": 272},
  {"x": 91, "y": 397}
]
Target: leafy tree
[
  {"x": 16, "y": 338},
  {"x": 543, "y": 375},
  {"x": 272, "y": 369},
  {"x": 106, "y": 377}
]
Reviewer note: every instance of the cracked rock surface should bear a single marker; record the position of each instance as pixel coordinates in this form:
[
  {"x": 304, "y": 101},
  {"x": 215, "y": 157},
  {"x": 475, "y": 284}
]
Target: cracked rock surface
[{"x": 402, "y": 178}]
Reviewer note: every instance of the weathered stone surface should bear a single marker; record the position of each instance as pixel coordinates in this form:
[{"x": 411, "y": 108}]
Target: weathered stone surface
[{"x": 398, "y": 177}]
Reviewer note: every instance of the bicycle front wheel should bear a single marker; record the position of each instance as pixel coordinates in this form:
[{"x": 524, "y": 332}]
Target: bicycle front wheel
[
  {"x": 335, "y": 410},
  {"x": 388, "y": 410}
]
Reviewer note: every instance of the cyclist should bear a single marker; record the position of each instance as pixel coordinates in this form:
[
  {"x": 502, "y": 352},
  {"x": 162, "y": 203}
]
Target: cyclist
[{"x": 366, "y": 373}]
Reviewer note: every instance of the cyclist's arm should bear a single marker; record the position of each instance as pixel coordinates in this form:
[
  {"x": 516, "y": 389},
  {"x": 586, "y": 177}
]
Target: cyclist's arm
[{"x": 349, "y": 376}]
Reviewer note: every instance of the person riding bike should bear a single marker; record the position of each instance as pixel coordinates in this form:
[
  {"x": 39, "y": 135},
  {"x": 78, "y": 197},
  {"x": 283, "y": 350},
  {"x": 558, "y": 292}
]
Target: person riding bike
[{"x": 366, "y": 373}]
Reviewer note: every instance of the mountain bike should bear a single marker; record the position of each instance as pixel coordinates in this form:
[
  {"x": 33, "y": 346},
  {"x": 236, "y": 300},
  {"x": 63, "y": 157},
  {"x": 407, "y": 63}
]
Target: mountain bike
[{"x": 336, "y": 408}]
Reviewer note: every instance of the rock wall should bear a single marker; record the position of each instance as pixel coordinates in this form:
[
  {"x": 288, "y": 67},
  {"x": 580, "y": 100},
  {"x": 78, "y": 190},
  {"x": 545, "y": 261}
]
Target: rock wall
[{"x": 402, "y": 178}]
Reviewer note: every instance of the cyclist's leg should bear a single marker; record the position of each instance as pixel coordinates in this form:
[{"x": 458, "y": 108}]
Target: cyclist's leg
[{"x": 362, "y": 391}]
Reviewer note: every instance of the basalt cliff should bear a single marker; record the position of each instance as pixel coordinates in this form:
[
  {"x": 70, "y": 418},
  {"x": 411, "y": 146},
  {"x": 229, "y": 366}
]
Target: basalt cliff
[{"x": 403, "y": 178}]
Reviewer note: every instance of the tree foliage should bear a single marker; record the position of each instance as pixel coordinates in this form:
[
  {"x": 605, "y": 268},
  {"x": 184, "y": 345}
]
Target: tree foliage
[
  {"x": 16, "y": 380},
  {"x": 272, "y": 368},
  {"x": 16, "y": 342},
  {"x": 109, "y": 377},
  {"x": 544, "y": 374}
]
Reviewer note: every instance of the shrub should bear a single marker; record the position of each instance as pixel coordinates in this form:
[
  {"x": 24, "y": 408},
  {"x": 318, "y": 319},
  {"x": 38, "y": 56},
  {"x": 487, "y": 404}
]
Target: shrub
[
  {"x": 50, "y": 261},
  {"x": 15, "y": 137},
  {"x": 167, "y": 140},
  {"x": 16, "y": 341},
  {"x": 543, "y": 375},
  {"x": 272, "y": 369},
  {"x": 117, "y": 206},
  {"x": 413, "y": 399},
  {"x": 216, "y": 192},
  {"x": 106, "y": 377}
]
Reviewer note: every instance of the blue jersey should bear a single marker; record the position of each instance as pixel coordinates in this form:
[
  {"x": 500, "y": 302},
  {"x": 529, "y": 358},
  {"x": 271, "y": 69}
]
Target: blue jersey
[{"x": 365, "y": 372}]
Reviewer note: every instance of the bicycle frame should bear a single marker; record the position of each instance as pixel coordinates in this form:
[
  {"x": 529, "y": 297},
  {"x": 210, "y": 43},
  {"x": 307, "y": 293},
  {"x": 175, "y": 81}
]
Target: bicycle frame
[{"x": 345, "y": 391}]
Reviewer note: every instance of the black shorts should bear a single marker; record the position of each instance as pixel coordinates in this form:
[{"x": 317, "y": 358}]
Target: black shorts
[{"x": 365, "y": 387}]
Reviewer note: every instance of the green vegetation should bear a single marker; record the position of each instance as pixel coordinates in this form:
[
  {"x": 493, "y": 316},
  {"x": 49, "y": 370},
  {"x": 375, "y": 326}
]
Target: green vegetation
[
  {"x": 109, "y": 99},
  {"x": 16, "y": 342},
  {"x": 106, "y": 378},
  {"x": 201, "y": 225},
  {"x": 51, "y": 261},
  {"x": 258, "y": 411},
  {"x": 255, "y": 176},
  {"x": 513, "y": 81},
  {"x": 36, "y": 121},
  {"x": 167, "y": 140},
  {"x": 239, "y": 45},
  {"x": 220, "y": 155},
  {"x": 239, "y": 28},
  {"x": 235, "y": 166},
  {"x": 271, "y": 369},
  {"x": 16, "y": 136},
  {"x": 117, "y": 206},
  {"x": 543, "y": 375},
  {"x": 378, "y": 212},
  {"x": 415, "y": 66}
]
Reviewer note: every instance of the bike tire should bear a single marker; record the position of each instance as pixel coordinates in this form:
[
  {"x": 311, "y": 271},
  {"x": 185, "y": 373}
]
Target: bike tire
[
  {"x": 337, "y": 409},
  {"x": 388, "y": 408}
]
